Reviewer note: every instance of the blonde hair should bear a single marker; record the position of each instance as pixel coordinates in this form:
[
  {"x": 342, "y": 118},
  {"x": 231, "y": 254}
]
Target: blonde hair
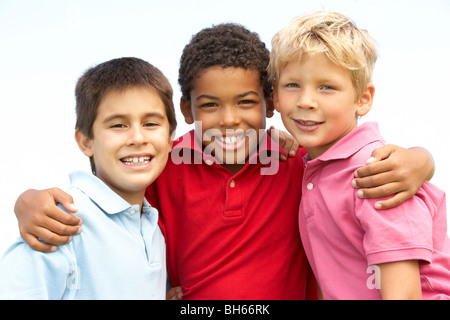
[{"x": 330, "y": 33}]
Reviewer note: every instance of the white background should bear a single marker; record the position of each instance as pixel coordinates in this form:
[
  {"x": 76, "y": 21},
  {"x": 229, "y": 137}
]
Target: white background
[{"x": 46, "y": 45}]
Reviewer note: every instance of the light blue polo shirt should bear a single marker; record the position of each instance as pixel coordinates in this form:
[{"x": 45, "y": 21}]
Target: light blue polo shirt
[{"x": 118, "y": 255}]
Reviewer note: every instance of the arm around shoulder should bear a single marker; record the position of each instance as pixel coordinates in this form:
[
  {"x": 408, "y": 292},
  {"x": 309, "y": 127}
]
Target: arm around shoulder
[
  {"x": 394, "y": 171},
  {"x": 40, "y": 217}
]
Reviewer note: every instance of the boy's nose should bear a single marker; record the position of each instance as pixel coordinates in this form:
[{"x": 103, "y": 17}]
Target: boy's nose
[
  {"x": 307, "y": 100},
  {"x": 230, "y": 117},
  {"x": 136, "y": 136}
]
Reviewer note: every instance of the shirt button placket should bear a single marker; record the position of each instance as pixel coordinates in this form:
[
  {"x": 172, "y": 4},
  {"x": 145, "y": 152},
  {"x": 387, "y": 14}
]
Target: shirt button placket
[{"x": 233, "y": 201}]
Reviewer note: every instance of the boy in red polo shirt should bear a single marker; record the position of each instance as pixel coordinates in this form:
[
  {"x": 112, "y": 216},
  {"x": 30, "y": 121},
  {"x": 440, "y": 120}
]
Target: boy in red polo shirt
[{"x": 228, "y": 207}]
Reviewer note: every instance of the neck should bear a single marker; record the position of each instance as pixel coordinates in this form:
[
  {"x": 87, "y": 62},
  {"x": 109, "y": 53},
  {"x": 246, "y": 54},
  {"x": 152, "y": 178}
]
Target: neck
[
  {"x": 234, "y": 168},
  {"x": 133, "y": 198}
]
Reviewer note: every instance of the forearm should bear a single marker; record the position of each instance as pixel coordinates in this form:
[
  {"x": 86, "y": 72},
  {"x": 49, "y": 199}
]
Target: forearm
[
  {"x": 394, "y": 171},
  {"x": 400, "y": 280},
  {"x": 40, "y": 218}
]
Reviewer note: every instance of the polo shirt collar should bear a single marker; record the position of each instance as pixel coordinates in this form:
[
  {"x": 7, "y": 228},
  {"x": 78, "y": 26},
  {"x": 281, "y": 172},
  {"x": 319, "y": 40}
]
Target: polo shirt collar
[
  {"x": 353, "y": 142},
  {"x": 105, "y": 198},
  {"x": 189, "y": 141}
]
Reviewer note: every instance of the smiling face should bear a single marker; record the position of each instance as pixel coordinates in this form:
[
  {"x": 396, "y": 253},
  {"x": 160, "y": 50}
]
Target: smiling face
[
  {"x": 131, "y": 141},
  {"x": 318, "y": 103},
  {"x": 229, "y": 109}
]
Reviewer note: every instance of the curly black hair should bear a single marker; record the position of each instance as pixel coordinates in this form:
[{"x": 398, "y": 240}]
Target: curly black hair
[{"x": 225, "y": 45}]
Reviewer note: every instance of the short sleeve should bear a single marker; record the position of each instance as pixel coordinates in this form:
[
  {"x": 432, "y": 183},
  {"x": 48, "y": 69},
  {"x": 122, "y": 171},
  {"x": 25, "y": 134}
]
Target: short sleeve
[
  {"x": 397, "y": 234},
  {"x": 29, "y": 274}
]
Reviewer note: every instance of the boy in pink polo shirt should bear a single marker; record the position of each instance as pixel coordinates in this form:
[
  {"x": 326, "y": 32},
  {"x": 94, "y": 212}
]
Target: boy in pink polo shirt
[{"x": 322, "y": 65}]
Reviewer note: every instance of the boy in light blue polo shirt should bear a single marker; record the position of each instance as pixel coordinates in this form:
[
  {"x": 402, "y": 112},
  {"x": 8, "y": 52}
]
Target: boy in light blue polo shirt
[{"x": 125, "y": 118}]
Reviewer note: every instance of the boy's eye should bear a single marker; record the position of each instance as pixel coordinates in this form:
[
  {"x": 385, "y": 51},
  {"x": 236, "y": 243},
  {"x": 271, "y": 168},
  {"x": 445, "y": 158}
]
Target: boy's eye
[
  {"x": 209, "y": 105},
  {"x": 244, "y": 102},
  {"x": 150, "y": 124},
  {"x": 117, "y": 125},
  {"x": 292, "y": 85},
  {"x": 325, "y": 87}
]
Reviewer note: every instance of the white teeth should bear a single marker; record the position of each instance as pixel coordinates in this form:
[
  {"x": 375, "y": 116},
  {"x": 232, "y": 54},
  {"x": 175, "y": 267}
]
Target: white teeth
[
  {"x": 134, "y": 161},
  {"x": 231, "y": 140},
  {"x": 308, "y": 123}
]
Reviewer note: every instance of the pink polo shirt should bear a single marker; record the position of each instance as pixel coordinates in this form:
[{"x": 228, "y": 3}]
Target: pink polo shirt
[{"x": 344, "y": 236}]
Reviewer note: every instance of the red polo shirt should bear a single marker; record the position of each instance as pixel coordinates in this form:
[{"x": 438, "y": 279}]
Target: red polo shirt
[{"x": 232, "y": 236}]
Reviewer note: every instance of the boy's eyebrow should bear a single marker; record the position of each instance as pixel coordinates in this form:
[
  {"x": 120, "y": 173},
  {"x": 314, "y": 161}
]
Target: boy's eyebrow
[
  {"x": 246, "y": 94},
  {"x": 113, "y": 116},
  {"x": 205, "y": 96},
  {"x": 155, "y": 115},
  {"x": 123, "y": 116}
]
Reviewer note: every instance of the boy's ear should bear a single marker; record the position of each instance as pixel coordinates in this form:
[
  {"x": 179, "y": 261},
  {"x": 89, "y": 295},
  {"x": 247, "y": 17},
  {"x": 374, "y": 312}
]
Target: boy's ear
[
  {"x": 84, "y": 143},
  {"x": 171, "y": 139},
  {"x": 186, "y": 110},
  {"x": 269, "y": 108},
  {"x": 366, "y": 100},
  {"x": 275, "y": 96}
]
